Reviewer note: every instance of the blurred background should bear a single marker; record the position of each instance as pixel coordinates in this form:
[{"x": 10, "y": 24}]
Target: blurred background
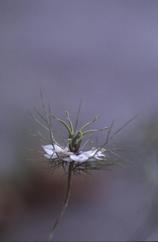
[{"x": 106, "y": 54}]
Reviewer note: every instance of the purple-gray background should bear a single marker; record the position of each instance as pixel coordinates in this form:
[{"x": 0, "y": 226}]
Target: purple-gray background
[{"x": 103, "y": 52}]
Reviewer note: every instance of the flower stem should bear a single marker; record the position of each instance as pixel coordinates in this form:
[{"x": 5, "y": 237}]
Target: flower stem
[{"x": 66, "y": 202}]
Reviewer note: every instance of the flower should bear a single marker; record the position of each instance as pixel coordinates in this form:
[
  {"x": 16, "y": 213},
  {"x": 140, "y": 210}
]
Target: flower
[
  {"x": 70, "y": 156},
  {"x": 72, "y": 152},
  {"x": 54, "y": 152}
]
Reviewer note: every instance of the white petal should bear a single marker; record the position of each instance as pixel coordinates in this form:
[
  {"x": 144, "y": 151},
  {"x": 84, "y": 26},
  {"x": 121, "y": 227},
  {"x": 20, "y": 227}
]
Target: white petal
[
  {"x": 79, "y": 158},
  {"x": 48, "y": 149},
  {"x": 90, "y": 153},
  {"x": 52, "y": 151},
  {"x": 96, "y": 154},
  {"x": 58, "y": 149},
  {"x": 99, "y": 155}
]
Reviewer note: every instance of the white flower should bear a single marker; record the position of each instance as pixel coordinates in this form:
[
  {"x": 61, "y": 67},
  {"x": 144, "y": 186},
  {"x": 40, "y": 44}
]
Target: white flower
[{"x": 55, "y": 151}]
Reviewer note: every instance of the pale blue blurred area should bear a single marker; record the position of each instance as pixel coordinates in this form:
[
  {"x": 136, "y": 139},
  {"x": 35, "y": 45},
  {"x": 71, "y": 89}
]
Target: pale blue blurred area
[{"x": 104, "y": 53}]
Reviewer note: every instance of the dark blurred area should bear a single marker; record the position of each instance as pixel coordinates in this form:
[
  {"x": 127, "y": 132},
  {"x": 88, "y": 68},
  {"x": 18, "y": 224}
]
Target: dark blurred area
[{"x": 104, "y": 53}]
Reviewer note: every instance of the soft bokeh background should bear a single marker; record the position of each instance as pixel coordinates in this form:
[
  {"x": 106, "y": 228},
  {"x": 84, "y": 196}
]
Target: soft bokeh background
[{"x": 105, "y": 53}]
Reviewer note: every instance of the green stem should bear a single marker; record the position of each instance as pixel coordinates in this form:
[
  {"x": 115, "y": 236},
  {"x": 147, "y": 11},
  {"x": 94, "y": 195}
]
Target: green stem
[{"x": 66, "y": 202}]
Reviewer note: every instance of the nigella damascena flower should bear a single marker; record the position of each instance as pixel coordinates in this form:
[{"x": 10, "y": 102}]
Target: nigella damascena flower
[
  {"x": 72, "y": 155},
  {"x": 73, "y": 152},
  {"x": 53, "y": 152}
]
